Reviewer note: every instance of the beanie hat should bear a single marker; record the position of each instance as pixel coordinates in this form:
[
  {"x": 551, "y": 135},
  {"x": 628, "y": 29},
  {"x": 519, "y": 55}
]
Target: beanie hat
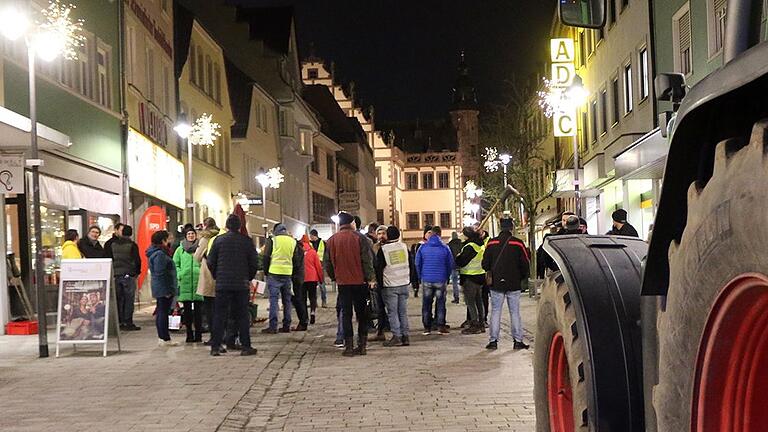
[
  {"x": 345, "y": 218},
  {"x": 381, "y": 228},
  {"x": 233, "y": 223},
  {"x": 507, "y": 223},
  {"x": 313, "y": 232},
  {"x": 279, "y": 229},
  {"x": 393, "y": 233},
  {"x": 619, "y": 216}
]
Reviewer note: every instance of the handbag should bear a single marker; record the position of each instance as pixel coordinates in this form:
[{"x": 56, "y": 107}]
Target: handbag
[
  {"x": 174, "y": 322},
  {"x": 489, "y": 274}
]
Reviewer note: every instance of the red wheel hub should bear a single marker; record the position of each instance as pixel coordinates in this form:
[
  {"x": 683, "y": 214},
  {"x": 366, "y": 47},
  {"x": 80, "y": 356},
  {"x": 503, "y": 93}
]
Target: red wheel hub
[
  {"x": 559, "y": 394},
  {"x": 731, "y": 383}
]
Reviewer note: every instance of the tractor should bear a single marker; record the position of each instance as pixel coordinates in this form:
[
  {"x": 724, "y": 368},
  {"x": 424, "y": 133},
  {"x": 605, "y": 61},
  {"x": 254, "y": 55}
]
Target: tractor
[{"x": 672, "y": 335}]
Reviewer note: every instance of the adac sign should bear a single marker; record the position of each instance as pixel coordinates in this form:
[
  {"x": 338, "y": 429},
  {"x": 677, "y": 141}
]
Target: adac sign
[{"x": 562, "y": 53}]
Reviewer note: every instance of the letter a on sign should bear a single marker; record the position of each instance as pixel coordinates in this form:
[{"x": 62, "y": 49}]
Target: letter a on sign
[{"x": 561, "y": 50}]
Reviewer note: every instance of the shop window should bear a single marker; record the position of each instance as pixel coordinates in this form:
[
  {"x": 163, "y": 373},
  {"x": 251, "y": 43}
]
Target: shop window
[{"x": 412, "y": 221}]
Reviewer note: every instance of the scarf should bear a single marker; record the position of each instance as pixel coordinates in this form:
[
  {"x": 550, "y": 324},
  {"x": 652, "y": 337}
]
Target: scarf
[{"x": 189, "y": 247}]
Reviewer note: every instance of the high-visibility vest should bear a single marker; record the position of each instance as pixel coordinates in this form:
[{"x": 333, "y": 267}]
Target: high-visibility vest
[
  {"x": 398, "y": 271},
  {"x": 475, "y": 267},
  {"x": 321, "y": 249},
  {"x": 281, "y": 262}
]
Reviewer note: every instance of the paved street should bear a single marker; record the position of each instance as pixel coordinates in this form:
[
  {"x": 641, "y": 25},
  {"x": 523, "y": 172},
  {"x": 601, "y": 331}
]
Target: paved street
[{"x": 297, "y": 382}]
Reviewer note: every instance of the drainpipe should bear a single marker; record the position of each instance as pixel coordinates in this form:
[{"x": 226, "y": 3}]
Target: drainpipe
[{"x": 124, "y": 113}]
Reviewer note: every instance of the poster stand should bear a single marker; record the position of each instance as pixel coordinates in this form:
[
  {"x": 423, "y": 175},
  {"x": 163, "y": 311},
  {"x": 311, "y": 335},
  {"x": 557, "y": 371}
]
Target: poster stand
[{"x": 86, "y": 303}]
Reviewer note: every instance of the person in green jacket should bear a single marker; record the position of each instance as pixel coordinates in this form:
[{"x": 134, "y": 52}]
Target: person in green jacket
[{"x": 188, "y": 274}]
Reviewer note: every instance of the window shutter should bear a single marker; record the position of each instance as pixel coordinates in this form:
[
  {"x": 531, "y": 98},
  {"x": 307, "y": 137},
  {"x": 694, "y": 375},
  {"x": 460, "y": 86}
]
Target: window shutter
[{"x": 684, "y": 28}]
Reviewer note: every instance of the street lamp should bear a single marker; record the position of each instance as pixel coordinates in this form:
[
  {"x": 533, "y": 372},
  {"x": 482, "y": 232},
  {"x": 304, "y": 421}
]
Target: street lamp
[
  {"x": 183, "y": 129},
  {"x": 56, "y": 35},
  {"x": 272, "y": 179},
  {"x": 574, "y": 97},
  {"x": 203, "y": 132},
  {"x": 492, "y": 162}
]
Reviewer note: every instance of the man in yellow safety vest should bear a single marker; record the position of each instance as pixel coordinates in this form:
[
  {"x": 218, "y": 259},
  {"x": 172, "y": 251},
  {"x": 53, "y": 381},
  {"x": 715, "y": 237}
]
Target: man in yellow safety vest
[
  {"x": 283, "y": 266},
  {"x": 470, "y": 264}
]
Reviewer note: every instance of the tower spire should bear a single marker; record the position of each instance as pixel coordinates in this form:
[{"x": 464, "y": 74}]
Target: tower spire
[{"x": 464, "y": 94}]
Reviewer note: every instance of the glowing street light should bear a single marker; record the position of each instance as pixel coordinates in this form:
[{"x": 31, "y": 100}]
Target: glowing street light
[{"x": 56, "y": 34}]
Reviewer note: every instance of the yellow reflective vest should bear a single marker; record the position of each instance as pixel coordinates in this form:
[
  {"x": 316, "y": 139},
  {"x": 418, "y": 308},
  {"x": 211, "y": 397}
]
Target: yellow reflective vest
[
  {"x": 283, "y": 247},
  {"x": 475, "y": 267}
]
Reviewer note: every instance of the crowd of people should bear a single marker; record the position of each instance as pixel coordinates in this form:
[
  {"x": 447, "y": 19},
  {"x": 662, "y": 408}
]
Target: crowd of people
[{"x": 210, "y": 272}]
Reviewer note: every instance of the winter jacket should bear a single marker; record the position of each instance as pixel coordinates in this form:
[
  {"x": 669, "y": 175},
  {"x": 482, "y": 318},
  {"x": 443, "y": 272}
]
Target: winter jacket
[
  {"x": 187, "y": 271},
  {"x": 466, "y": 255},
  {"x": 91, "y": 249},
  {"x": 508, "y": 267},
  {"x": 313, "y": 268},
  {"x": 163, "y": 271},
  {"x": 348, "y": 257},
  {"x": 434, "y": 261},
  {"x": 233, "y": 261},
  {"x": 125, "y": 256},
  {"x": 625, "y": 230},
  {"x": 206, "y": 285},
  {"x": 455, "y": 246},
  {"x": 69, "y": 250}
]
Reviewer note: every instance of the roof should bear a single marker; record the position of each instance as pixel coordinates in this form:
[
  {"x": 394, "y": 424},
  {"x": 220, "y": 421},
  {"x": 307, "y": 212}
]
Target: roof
[
  {"x": 240, "y": 94},
  {"x": 423, "y": 136},
  {"x": 334, "y": 123}
]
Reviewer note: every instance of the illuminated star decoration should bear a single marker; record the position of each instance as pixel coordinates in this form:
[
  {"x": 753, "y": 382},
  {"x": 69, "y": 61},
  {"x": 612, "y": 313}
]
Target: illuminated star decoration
[
  {"x": 205, "y": 131},
  {"x": 551, "y": 98},
  {"x": 471, "y": 208},
  {"x": 59, "y": 27},
  {"x": 494, "y": 160},
  {"x": 274, "y": 178}
]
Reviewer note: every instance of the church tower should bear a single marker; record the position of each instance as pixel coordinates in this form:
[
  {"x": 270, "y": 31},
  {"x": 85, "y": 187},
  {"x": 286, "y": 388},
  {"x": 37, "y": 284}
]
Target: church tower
[{"x": 464, "y": 116}]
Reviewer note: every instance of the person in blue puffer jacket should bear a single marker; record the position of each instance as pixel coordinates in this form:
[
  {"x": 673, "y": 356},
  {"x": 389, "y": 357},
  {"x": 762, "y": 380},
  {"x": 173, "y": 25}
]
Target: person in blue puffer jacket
[
  {"x": 434, "y": 265},
  {"x": 165, "y": 285}
]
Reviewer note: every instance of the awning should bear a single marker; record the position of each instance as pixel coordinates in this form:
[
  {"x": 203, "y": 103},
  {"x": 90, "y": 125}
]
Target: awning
[
  {"x": 14, "y": 133},
  {"x": 644, "y": 159},
  {"x": 60, "y": 192}
]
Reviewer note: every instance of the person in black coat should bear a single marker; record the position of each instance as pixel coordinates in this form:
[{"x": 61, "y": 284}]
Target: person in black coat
[
  {"x": 233, "y": 262},
  {"x": 620, "y": 225},
  {"x": 89, "y": 245}
]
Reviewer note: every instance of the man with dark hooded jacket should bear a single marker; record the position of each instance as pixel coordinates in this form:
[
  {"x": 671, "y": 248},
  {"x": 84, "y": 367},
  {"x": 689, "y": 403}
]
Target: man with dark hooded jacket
[
  {"x": 233, "y": 262},
  {"x": 284, "y": 267},
  {"x": 506, "y": 258},
  {"x": 469, "y": 262}
]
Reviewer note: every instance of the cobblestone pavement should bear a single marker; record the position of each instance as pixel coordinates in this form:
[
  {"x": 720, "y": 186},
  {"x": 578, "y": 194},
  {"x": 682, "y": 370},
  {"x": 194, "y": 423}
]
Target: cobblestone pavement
[{"x": 297, "y": 382}]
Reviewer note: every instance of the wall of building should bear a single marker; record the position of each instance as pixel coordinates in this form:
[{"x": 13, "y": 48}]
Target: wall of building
[{"x": 322, "y": 180}]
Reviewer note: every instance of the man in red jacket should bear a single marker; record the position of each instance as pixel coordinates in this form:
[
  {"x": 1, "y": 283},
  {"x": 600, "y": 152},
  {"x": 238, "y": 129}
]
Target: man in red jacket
[{"x": 349, "y": 263}]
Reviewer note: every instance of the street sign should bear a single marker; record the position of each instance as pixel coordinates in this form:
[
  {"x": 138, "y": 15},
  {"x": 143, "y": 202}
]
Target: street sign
[
  {"x": 565, "y": 123},
  {"x": 562, "y": 50},
  {"x": 12, "y": 174},
  {"x": 349, "y": 201}
]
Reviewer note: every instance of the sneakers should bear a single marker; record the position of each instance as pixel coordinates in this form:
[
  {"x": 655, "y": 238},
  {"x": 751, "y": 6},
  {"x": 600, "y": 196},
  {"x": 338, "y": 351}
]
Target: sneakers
[
  {"x": 248, "y": 351},
  {"x": 269, "y": 330},
  {"x": 394, "y": 341},
  {"x": 492, "y": 345},
  {"x": 443, "y": 330},
  {"x": 427, "y": 332},
  {"x": 167, "y": 343},
  {"x": 520, "y": 345},
  {"x": 405, "y": 341},
  {"x": 339, "y": 343},
  {"x": 312, "y": 319}
]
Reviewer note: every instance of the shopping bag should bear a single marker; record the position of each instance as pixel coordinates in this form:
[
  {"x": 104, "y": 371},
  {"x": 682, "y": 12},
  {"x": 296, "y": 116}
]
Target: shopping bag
[{"x": 174, "y": 322}]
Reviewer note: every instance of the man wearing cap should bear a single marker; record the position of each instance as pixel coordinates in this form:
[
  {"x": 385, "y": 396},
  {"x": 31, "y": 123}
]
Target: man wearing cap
[
  {"x": 319, "y": 245},
  {"x": 233, "y": 262},
  {"x": 349, "y": 262},
  {"x": 620, "y": 225},
  {"x": 506, "y": 259},
  {"x": 284, "y": 266}
]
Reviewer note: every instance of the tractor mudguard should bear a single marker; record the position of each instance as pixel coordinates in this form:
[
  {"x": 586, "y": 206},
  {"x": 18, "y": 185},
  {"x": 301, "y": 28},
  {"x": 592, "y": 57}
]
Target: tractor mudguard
[{"x": 603, "y": 275}]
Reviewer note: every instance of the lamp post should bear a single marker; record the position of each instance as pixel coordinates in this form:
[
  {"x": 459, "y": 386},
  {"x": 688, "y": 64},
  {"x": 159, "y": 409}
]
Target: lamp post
[
  {"x": 494, "y": 160},
  {"x": 271, "y": 178},
  {"x": 183, "y": 129},
  {"x": 56, "y": 35},
  {"x": 575, "y": 96}
]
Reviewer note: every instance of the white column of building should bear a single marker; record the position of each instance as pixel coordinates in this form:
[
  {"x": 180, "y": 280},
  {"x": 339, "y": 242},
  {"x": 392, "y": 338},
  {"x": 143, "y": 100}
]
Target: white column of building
[{"x": 5, "y": 304}]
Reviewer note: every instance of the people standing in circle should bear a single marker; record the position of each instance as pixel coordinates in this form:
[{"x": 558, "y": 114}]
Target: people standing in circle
[
  {"x": 164, "y": 284},
  {"x": 206, "y": 285},
  {"x": 470, "y": 265},
  {"x": 318, "y": 245},
  {"x": 233, "y": 262},
  {"x": 188, "y": 273},
  {"x": 90, "y": 246},
  {"x": 434, "y": 264},
  {"x": 126, "y": 267},
  {"x": 506, "y": 259},
  {"x": 620, "y": 225},
  {"x": 283, "y": 262},
  {"x": 313, "y": 274},
  {"x": 69, "y": 249},
  {"x": 393, "y": 276}
]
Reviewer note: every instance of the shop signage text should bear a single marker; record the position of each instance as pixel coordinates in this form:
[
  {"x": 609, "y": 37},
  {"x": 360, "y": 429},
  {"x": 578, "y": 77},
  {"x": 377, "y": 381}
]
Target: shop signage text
[
  {"x": 149, "y": 23},
  {"x": 152, "y": 124},
  {"x": 154, "y": 171},
  {"x": 349, "y": 201},
  {"x": 562, "y": 53}
]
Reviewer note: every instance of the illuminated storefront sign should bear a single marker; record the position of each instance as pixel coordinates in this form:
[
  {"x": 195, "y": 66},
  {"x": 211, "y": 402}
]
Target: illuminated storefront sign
[
  {"x": 562, "y": 53},
  {"x": 154, "y": 171}
]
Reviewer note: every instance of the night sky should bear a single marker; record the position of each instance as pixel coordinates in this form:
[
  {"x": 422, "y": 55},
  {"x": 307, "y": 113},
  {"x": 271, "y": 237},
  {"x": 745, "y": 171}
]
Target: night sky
[{"x": 402, "y": 54}]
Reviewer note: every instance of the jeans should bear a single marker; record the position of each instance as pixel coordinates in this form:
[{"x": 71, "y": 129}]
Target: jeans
[
  {"x": 455, "y": 284},
  {"x": 340, "y": 326},
  {"x": 396, "y": 299},
  {"x": 497, "y": 304},
  {"x": 486, "y": 296},
  {"x": 234, "y": 303},
  {"x": 354, "y": 296},
  {"x": 279, "y": 287},
  {"x": 432, "y": 290},
  {"x": 193, "y": 316},
  {"x": 323, "y": 292},
  {"x": 125, "y": 290},
  {"x": 473, "y": 297},
  {"x": 299, "y": 302},
  {"x": 382, "y": 319},
  {"x": 161, "y": 317}
]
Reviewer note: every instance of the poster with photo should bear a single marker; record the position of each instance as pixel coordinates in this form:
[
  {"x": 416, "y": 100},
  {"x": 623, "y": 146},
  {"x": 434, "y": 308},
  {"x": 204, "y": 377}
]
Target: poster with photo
[{"x": 83, "y": 310}]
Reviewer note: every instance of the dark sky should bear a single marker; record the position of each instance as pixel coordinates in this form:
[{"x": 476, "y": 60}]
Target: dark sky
[{"x": 402, "y": 54}]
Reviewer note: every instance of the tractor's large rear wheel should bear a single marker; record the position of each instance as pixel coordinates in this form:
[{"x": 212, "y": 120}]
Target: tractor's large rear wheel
[{"x": 713, "y": 334}]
